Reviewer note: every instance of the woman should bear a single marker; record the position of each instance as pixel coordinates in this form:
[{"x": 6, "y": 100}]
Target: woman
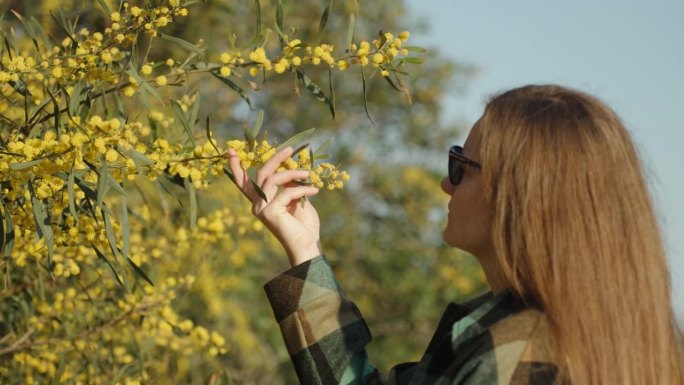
[{"x": 549, "y": 195}]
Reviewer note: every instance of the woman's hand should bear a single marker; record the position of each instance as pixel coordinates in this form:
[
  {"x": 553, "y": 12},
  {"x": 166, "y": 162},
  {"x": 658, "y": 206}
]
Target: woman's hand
[{"x": 297, "y": 227}]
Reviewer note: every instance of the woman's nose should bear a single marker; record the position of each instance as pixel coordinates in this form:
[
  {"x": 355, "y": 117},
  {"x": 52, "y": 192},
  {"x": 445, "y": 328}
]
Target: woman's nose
[{"x": 447, "y": 187}]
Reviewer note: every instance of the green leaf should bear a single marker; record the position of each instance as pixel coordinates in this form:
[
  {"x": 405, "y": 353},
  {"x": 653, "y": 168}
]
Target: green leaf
[
  {"x": 75, "y": 98},
  {"x": 27, "y": 28},
  {"x": 296, "y": 139},
  {"x": 195, "y": 110},
  {"x": 8, "y": 230},
  {"x": 350, "y": 30},
  {"x": 125, "y": 229},
  {"x": 139, "y": 271},
  {"x": 332, "y": 93},
  {"x": 316, "y": 91},
  {"x": 365, "y": 96},
  {"x": 102, "y": 182},
  {"x": 183, "y": 43},
  {"x": 391, "y": 83},
  {"x": 258, "y": 18},
  {"x": 41, "y": 216},
  {"x": 324, "y": 18},
  {"x": 25, "y": 165},
  {"x": 414, "y": 48},
  {"x": 279, "y": 22},
  {"x": 207, "y": 127},
  {"x": 105, "y": 8},
  {"x": 72, "y": 195},
  {"x": 38, "y": 109},
  {"x": 109, "y": 264},
  {"x": 257, "y": 124},
  {"x": 235, "y": 88},
  {"x": 230, "y": 175},
  {"x": 319, "y": 151},
  {"x": 180, "y": 115},
  {"x": 111, "y": 238},
  {"x": 193, "y": 202},
  {"x": 259, "y": 191},
  {"x": 411, "y": 60}
]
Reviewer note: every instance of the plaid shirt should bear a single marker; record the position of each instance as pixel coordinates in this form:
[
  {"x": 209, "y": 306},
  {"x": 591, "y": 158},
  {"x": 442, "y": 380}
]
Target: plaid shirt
[{"x": 489, "y": 340}]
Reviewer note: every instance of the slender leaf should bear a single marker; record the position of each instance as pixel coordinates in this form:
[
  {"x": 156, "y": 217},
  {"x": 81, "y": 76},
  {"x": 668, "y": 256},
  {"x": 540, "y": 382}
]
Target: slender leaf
[
  {"x": 319, "y": 151},
  {"x": 27, "y": 28},
  {"x": 257, "y": 124},
  {"x": 8, "y": 231},
  {"x": 296, "y": 139},
  {"x": 316, "y": 91},
  {"x": 407, "y": 92},
  {"x": 230, "y": 175},
  {"x": 109, "y": 264},
  {"x": 391, "y": 83},
  {"x": 102, "y": 182},
  {"x": 180, "y": 115},
  {"x": 331, "y": 93},
  {"x": 192, "y": 195},
  {"x": 38, "y": 109},
  {"x": 105, "y": 8},
  {"x": 411, "y": 60},
  {"x": 183, "y": 43},
  {"x": 41, "y": 216},
  {"x": 111, "y": 238},
  {"x": 195, "y": 110},
  {"x": 75, "y": 98},
  {"x": 324, "y": 18},
  {"x": 414, "y": 48},
  {"x": 25, "y": 165},
  {"x": 235, "y": 88},
  {"x": 125, "y": 229},
  {"x": 365, "y": 96},
  {"x": 259, "y": 191},
  {"x": 89, "y": 192},
  {"x": 207, "y": 127},
  {"x": 351, "y": 29},
  {"x": 139, "y": 271},
  {"x": 72, "y": 195},
  {"x": 279, "y": 22},
  {"x": 299, "y": 149},
  {"x": 258, "y": 17}
]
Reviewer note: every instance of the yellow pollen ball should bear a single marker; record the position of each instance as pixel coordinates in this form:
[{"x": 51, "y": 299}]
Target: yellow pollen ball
[{"x": 161, "y": 80}]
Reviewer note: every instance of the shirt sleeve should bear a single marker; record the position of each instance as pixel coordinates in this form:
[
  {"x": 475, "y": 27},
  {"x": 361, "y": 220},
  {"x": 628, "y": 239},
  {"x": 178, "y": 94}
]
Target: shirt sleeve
[{"x": 324, "y": 332}]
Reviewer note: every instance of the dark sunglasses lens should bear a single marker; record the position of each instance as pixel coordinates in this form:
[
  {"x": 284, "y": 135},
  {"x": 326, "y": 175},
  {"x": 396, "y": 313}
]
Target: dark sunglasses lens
[{"x": 455, "y": 171}]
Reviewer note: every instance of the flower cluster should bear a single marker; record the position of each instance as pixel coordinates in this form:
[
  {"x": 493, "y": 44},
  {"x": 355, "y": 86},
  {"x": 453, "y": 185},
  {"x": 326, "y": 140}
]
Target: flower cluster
[
  {"x": 320, "y": 175},
  {"x": 380, "y": 53}
]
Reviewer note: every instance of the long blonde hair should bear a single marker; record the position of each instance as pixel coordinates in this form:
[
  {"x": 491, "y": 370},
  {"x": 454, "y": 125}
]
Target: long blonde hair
[{"x": 575, "y": 231}]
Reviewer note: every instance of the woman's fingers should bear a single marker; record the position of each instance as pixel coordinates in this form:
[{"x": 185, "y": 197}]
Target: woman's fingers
[
  {"x": 241, "y": 177},
  {"x": 279, "y": 204},
  {"x": 272, "y": 164},
  {"x": 272, "y": 182}
]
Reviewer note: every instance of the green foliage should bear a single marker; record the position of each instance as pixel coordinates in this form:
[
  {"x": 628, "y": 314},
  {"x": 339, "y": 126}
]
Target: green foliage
[{"x": 128, "y": 257}]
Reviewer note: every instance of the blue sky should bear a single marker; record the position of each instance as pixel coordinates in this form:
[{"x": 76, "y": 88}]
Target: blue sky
[{"x": 628, "y": 53}]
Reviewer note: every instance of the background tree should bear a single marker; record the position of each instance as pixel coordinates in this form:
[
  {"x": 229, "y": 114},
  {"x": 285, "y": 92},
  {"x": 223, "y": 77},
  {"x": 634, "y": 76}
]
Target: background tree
[{"x": 206, "y": 318}]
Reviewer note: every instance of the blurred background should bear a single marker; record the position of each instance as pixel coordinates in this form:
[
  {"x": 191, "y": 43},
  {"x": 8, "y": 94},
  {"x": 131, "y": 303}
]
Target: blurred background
[{"x": 629, "y": 53}]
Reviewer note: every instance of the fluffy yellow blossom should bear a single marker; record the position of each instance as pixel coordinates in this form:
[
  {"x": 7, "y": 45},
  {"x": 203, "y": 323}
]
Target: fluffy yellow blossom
[
  {"x": 161, "y": 80},
  {"x": 146, "y": 69},
  {"x": 115, "y": 16},
  {"x": 225, "y": 71}
]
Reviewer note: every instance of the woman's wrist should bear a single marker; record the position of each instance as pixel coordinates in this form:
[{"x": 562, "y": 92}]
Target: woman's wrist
[{"x": 297, "y": 257}]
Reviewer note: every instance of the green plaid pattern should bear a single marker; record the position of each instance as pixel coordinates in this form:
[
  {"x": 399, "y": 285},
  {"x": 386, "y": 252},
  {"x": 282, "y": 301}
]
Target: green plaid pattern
[{"x": 489, "y": 340}]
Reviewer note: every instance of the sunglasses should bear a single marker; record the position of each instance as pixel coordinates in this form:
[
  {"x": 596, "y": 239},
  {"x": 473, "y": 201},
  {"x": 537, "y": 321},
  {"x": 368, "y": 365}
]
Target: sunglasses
[{"x": 456, "y": 162}]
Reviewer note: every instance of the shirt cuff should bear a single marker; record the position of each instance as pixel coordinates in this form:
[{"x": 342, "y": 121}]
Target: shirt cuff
[{"x": 300, "y": 285}]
